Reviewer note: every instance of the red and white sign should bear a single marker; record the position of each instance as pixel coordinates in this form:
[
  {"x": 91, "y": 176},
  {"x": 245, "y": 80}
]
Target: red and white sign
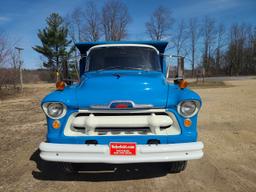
[{"x": 122, "y": 148}]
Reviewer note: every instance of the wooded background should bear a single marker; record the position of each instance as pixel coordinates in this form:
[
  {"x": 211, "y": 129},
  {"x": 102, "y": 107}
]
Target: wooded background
[{"x": 206, "y": 44}]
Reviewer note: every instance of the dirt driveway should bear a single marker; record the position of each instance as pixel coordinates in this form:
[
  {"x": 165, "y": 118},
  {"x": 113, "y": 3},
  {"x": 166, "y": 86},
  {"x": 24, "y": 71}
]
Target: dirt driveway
[{"x": 226, "y": 126}]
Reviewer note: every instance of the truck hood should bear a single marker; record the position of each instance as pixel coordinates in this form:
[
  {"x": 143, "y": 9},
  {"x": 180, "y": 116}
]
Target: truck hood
[{"x": 141, "y": 87}]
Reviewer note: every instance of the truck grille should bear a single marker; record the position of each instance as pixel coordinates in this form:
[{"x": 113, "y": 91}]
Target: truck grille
[{"x": 121, "y": 122}]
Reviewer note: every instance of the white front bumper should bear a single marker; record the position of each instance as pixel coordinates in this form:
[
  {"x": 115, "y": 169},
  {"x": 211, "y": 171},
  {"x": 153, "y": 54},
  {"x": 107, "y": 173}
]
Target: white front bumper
[{"x": 79, "y": 153}]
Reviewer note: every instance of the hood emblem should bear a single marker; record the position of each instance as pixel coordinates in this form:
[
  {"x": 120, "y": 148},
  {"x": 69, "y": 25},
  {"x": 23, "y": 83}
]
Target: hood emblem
[
  {"x": 117, "y": 75},
  {"x": 122, "y": 104}
]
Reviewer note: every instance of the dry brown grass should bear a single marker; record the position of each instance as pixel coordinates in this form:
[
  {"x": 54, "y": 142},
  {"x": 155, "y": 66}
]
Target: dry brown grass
[
  {"x": 28, "y": 89},
  {"x": 208, "y": 84},
  {"x": 226, "y": 126}
]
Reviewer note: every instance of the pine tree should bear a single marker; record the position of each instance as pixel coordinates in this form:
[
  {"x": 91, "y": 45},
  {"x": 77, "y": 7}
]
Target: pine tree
[{"x": 55, "y": 45}]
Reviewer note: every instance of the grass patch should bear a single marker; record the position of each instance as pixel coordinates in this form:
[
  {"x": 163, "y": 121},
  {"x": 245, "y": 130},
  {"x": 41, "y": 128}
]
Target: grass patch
[
  {"x": 7, "y": 92},
  {"x": 28, "y": 89},
  {"x": 208, "y": 84}
]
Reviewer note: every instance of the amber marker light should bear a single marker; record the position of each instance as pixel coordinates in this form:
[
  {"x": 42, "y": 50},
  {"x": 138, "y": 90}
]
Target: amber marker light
[
  {"x": 60, "y": 85},
  {"x": 187, "y": 122},
  {"x": 56, "y": 124},
  {"x": 183, "y": 84}
]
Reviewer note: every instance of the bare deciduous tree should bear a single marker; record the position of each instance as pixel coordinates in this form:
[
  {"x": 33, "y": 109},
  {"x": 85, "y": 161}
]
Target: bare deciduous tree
[
  {"x": 115, "y": 18},
  {"x": 251, "y": 52},
  {"x": 209, "y": 35},
  {"x": 8, "y": 68},
  {"x": 92, "y": 22},
  {"x": 3, "y": 57},
  {"x": 75, "y": 22},
  {"x": 179, "y": 38},
  {"x": 4, "y": 49},
  {"x": 160, "y": 23},
  {"x": 194, "y": 33},
  {"x": 84, "y": 23},
  {"x": 16, "y": 65},
  {"x": 237, "y": 48},
  {"x": 220, "y": 41}
]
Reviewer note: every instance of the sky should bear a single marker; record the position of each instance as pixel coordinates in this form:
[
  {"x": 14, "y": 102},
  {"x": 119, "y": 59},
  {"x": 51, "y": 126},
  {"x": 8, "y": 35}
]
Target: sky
[{"x": 21, "y": 19}]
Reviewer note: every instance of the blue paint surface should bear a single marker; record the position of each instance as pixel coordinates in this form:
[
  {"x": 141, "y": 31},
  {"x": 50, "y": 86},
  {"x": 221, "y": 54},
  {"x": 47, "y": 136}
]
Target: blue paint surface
[
  {"x": 141, "y": 87},
  {"x": 85, "y": 46}
]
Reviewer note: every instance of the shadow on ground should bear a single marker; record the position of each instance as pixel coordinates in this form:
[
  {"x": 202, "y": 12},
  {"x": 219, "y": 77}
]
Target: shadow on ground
[{"x": 96, "y": 172}]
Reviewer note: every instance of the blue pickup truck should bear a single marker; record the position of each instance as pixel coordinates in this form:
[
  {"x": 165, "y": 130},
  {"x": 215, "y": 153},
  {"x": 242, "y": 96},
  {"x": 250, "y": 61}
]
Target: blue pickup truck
[{"x": 123, "y": 110}]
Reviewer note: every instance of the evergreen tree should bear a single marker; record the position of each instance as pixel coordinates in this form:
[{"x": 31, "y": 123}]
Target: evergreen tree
[{"x": 55, "y": 45}]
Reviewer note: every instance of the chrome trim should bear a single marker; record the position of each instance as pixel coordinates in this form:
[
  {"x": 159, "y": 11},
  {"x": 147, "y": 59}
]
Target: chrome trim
[
  {"x": 120, "y": 110},
  {"x": 121, "y": 45},
  {"x": 45, "y": 106},
  {"x": 194, "y": 113},
  {"x": 134, "y": 106}
]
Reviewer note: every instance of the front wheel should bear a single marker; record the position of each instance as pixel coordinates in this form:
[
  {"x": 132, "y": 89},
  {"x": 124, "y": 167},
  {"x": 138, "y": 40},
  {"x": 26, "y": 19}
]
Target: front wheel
[
  {"x": 176, "y": 167},
  {"x": 68, "y": 167}
]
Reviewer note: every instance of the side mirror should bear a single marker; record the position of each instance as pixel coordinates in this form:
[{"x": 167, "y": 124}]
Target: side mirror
[
  {"x": 180, "y": 69},
  {"x": 179, "y": 79}
]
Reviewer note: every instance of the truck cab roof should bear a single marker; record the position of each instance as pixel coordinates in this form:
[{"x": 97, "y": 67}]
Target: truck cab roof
[{"x": 85, "y": 46}]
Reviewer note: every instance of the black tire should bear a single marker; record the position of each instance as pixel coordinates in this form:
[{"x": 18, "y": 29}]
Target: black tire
[
  {"x": 68, "y": 167},
  {"x": 176, "y": 167},
  {"x": 43, "y": 165}
]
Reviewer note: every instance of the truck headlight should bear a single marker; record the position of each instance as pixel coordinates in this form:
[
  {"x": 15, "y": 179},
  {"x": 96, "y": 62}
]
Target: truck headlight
[
  {"x": 54, "y": 110},
  {"x": 188, "y": 108}
]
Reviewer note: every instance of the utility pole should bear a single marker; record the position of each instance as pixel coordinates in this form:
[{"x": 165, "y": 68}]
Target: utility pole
[{"x": 20, "y": 67}]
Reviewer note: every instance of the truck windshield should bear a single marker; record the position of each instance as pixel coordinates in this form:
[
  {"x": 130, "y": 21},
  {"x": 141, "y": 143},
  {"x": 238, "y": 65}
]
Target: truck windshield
[{"x": 123, "y": 58}]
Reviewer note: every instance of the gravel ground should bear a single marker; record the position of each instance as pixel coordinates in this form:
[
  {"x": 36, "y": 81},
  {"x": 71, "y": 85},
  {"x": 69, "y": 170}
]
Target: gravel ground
[{"x": 226, "y": 126}]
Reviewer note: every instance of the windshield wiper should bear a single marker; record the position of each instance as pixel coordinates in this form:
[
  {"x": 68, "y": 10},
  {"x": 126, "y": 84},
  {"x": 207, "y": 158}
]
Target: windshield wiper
[
  {"x": 135, "y": 68},
  {"x": 109, "y": 68},
  {"x": 123, "y": 68}
]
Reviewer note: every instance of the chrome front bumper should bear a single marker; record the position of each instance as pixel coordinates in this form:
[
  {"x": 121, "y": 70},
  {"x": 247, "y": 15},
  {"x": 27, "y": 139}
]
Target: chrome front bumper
[{"x": 78, "y": 153}]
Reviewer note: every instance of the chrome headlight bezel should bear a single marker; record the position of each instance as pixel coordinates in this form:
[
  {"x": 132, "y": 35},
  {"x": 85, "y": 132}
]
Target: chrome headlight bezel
[
  {"x": 197, "y": 107},
  {"x": 46, "y": 106}
]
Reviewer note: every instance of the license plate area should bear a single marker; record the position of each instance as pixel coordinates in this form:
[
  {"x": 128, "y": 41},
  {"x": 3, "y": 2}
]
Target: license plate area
[{"x": 122, "y": 149}]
